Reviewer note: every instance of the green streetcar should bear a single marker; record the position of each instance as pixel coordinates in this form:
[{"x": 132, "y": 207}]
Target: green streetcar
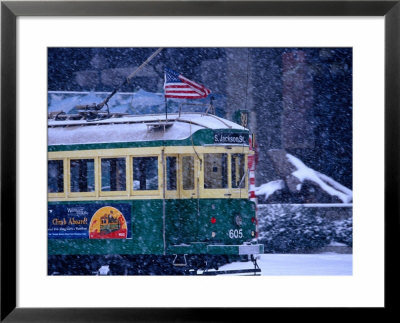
[{"x": 149, "y": 194}]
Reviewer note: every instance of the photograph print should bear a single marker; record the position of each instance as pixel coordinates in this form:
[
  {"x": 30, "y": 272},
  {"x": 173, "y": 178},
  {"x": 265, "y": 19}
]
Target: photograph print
[{"x": 200, "y": 161}]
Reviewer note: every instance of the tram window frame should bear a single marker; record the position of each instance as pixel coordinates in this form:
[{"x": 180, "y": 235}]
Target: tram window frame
[
  {"x": 124, "y": 167},
  {"x": 185, "y": 176},
  {"x": 70, "y": 177},
  {"x": 171, "y": 173},
  {"x": 207, "y": 173},
  {"x": 242, "y": 177},
  {"x": 152, "y": 191},
  {"x": 59, "y": 193}
]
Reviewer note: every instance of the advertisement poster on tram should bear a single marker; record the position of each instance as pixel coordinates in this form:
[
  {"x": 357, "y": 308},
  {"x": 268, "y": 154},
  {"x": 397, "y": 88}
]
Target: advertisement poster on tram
[{"x": 89, "y": 221}]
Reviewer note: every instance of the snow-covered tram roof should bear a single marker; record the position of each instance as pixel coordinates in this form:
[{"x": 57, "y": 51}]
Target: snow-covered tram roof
[{"x": 133, "y": 128}]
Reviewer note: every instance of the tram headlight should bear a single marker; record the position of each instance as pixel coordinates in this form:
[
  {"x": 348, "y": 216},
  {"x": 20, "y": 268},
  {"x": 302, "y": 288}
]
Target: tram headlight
[{"x": 238, "y": 220}]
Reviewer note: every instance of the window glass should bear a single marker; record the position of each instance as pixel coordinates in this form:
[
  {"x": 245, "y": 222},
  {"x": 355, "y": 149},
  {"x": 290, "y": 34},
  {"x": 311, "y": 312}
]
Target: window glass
[
  {"x": 113, "y": 174},
  {"x": 145, "y": 173},
  {"x": 237, "y": 170},
  {"x": 55, "y": 176},
  {"x": 171, "y": 173},
  {"x": 82, "y": 175},
  {"x": 215, "y": 171},
  {"x": 188, "y": 172}
]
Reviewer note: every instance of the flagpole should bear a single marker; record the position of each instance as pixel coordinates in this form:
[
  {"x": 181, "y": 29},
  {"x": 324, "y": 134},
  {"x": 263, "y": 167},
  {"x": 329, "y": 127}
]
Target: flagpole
[
  {"x": 166, "y": 109},
  {"x": 165, "y": 98}
]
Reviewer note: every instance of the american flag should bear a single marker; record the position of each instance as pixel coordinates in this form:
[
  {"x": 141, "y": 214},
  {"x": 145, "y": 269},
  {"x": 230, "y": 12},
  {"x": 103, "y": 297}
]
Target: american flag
[{"x": 179, "y": 87}]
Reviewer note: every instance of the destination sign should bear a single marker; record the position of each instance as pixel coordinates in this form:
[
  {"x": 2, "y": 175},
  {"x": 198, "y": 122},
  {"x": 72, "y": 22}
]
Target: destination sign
[{"x": 231, "y": 138}]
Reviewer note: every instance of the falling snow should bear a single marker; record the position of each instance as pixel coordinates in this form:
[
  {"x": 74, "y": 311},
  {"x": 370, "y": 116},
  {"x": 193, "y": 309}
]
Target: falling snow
[{"x": 297, "y": 100}]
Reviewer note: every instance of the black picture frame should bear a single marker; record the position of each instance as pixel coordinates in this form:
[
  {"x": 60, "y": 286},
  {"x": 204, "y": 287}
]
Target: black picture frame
[{"x": 10, "y": 10}]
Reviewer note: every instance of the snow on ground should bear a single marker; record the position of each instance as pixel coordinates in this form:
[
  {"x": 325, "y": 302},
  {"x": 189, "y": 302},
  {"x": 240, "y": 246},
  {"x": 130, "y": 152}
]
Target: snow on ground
[{"x": 299, "y": 264}]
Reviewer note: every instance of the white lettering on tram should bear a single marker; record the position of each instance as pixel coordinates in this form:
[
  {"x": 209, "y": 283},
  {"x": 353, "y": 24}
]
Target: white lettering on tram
[{"x": 235, "y": 233}]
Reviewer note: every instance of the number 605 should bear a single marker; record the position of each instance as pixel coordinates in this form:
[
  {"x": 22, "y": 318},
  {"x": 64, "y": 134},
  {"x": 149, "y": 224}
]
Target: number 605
[{"x": 235, "y": 233}]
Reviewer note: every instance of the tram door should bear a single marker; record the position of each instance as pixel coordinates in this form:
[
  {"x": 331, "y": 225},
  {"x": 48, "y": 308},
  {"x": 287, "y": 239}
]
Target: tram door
[{"x": 181, "y": 198}]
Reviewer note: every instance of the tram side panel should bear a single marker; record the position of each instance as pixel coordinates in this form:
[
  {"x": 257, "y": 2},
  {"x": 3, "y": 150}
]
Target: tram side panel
[
  {"x": 181, "y": 221},
  {"x": 194, "y": 224},
  {"x": 147, "y": 227},
  {"x": 226, "y": 221},
  {"x": 187, "y": 221},
  {"x": 137, "y": 228}
]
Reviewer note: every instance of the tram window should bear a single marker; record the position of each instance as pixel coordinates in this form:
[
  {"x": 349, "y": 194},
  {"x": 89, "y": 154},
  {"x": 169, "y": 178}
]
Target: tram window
[
  {"x": 145, "y": 173},
  {"x": 55, "y": 175},
  {"x": 82, "y": 175},
  {"x": 113, "y": 174},
  {"x": 188, "y": 172},
  {"x": 215, "y": 171},
  {"x": 238, "y": 170},
  {"x": 171, "y": 173}
]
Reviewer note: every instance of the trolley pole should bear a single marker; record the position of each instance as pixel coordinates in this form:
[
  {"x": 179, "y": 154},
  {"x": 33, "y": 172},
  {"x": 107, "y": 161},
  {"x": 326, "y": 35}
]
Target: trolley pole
[{"x": 166, "y": 108}]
